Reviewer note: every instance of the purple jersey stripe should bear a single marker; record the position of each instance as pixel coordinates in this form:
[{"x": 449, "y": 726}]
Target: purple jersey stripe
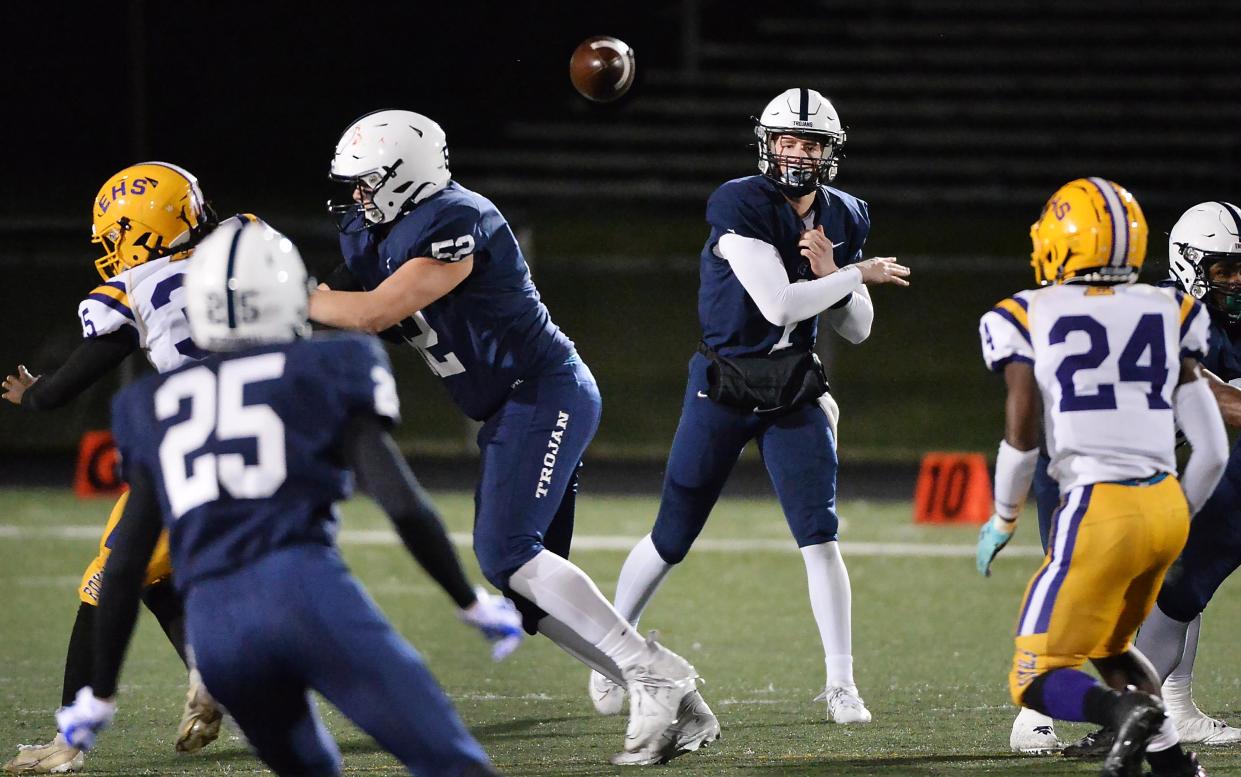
[
  {"x": 114, "y": 304},
  {"x": 1049, "y": 603},
  {"x": 1013, "y": 320}
]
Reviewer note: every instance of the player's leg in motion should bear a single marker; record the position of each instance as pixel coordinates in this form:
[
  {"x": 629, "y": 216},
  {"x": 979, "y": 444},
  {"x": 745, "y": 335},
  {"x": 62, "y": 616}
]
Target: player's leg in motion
[
  {"x": 800, "y": 456},
  {"x": 165, "y": 605},
  {"x": 1087, "y": 600},
  {"x": 368, "y": 671},
  {"x": 530, "y": 451},
  {"x": 708, "y": 440},
  {"x": 1169, "y": 637},
  {"x": 244, "y": 628},
  {"x": 1034, "y": 733}
]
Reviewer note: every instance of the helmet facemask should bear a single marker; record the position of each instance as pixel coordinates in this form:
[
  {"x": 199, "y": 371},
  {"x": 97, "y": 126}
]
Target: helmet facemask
[
  {"x": 1223, "y": 296},
  {"x": 797, "y": 175},
  {"x": 365, "y": 191}
]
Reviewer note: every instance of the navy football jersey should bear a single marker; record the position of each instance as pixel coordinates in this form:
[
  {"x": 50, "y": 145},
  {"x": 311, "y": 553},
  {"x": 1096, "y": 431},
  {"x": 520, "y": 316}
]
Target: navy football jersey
[
  {"x": 753, "y": 207},
  {"x": 1224, "y": 354},
  {"x": 245, "y": 448},
  {"x": 492, "y": 330}
]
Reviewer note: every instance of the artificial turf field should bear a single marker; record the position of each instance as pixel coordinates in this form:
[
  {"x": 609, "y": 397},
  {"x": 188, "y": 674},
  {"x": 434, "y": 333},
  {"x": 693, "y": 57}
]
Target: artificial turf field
[{"x": 931, "y": 645}]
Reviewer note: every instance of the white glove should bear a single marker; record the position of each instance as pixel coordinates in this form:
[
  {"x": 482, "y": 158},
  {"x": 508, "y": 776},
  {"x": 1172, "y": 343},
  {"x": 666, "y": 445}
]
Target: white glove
[
  {"x": 82, "y": 721},
  {"x": 497, "y": 619}
]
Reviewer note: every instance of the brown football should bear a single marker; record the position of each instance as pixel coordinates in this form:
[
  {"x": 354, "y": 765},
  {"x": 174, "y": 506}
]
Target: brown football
[{"x": 602, "y": 68}]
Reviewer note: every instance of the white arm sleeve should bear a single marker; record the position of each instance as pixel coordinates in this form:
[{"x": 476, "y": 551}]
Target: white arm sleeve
[
  {"x": 1197, "y": 414},
  {"x": 757, "y": 265},
  {"x": 1014, "y": 472},
  {"x": 852, "y": 322}
]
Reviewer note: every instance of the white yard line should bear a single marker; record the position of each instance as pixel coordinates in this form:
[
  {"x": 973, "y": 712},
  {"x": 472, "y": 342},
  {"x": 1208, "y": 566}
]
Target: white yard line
[{"x": 592, "y": 542}]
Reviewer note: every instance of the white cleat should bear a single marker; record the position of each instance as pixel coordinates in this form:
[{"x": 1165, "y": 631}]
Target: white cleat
[
  {"x": 1201, "y": 729},
  {"x": 607, "y": 696},
  {"x": 55, "y": 757},
  {"x": 201, "y": 718},
  {"x": 844, "y": 705},
  {"x": 656, "y": 687},
  {"x": 695, "y": 728},
  {"x": 1034, "y": 734}
]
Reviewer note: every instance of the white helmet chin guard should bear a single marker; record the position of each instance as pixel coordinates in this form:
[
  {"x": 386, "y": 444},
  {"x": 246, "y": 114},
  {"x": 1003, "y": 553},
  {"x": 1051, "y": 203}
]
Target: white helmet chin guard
[
  {"x": 396, "y": 158},
  {"x": 1207, "y": 233},
  {"x": 803, "y": 113},
  {"x": 246, "y": 286}
]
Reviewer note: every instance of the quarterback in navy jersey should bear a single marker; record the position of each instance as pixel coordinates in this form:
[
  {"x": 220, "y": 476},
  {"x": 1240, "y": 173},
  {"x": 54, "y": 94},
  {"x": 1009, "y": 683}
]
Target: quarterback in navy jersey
[
  {"x": 784, "y": 247},
  {"x": 437, "y": 265},
  {"x": 243, "y": 455}
]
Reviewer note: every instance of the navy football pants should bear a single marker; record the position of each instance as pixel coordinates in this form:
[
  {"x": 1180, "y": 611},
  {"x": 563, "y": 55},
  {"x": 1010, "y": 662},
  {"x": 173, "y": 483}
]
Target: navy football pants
[
  {"x": 796, "y": 448},
  {"x": 531, "y": 450},
  {"x": 1046, "y": 497},
  {"x": 296, "y": 620},
  {"x": 1212, "y": 551}
]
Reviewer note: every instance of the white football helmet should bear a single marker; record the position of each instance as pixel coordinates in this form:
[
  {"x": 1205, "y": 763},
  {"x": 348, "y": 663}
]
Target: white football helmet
[
  {"x": 806, "y": 114},
  {"x": 246, "y": 286},
  {"x": 1207, "y": 233},
  {"x": 396, "y": 158}
]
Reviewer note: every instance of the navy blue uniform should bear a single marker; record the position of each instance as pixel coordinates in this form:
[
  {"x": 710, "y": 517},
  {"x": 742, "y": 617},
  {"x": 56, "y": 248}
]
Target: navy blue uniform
[
  {"x": 503, "y": 361},
  {"x": 1213, "y": 550},
  {"x": 797, "y": 448},
  {"x": 245, "y": 451}
]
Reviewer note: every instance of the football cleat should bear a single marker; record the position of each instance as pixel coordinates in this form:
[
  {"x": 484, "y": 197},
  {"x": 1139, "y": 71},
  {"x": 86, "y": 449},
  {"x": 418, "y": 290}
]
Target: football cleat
[
  {"x": 656, "y": 687},
  {"x": 201, "y": 718},
  {"x": 55, "y": 757},
  {"x": 695, "y": 728},
  {"x": 607, "y": 696},
  {"x": 1138, "y": 717},
  {"x": 1096, "y": 744},
  {"x": 1033, "y": 734},
  {"x": 1201, "y": 729},
  {"x": 844, "y": 705}
]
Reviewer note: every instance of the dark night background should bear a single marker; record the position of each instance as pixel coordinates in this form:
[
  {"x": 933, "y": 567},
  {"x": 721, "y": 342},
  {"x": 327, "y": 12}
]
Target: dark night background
[{"x": 962, "y": 117}]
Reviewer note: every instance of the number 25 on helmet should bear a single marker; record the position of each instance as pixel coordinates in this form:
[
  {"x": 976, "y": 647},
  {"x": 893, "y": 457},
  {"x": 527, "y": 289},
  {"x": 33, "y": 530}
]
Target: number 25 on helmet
[
  {"x": 1091, "y": 230},
  {"x": 146, "y": 211}
]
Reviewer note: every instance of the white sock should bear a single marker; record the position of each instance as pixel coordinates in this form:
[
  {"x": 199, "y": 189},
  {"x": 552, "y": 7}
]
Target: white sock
[
  {"x": 1032, "y": 718},
  {"x": 1167, "y": 737},
  {"x": 565, "y": 592},
  {"x": 640, "y": 577},
  {"x": 831, "y": 602},
  {"x": 570, "y": 642},
  {"x": 1178, "y": 688},
  {"x": 1162, "y": 641}
]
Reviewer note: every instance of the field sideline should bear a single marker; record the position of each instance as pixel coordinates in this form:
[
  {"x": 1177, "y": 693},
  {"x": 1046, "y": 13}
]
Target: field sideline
[{"x": 931, "y": 643}]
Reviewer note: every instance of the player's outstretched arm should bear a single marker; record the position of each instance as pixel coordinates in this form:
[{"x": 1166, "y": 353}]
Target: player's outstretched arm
[
  {"x": 1198, "y": 416},
  {"x": 1014, "y": 464},
  {"x": 90, "y": 361},
  {"x": 414, "y": 285},
  {"x": 383, "y": 474}
]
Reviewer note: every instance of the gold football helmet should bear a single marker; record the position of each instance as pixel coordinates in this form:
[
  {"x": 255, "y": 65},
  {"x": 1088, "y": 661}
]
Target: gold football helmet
[
  {"x": 146, "y": 211},
  {"x": 1091, "y": 230}
]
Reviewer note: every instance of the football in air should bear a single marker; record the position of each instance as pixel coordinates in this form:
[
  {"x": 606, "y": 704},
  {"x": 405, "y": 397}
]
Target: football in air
[{"x": 602, "y": 68}]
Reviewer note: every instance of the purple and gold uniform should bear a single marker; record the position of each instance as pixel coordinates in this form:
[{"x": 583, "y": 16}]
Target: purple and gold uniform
[
  {"x": 1107, "y": 359},
  {"x": 147, "y": 301}
]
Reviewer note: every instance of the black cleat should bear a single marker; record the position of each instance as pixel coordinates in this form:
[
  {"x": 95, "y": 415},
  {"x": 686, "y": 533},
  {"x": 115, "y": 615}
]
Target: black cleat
[
  {"x": 1188, "y": 768},
  {"x": 1138, "y": 718},
  {"x": 1094, "y": 745}
]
